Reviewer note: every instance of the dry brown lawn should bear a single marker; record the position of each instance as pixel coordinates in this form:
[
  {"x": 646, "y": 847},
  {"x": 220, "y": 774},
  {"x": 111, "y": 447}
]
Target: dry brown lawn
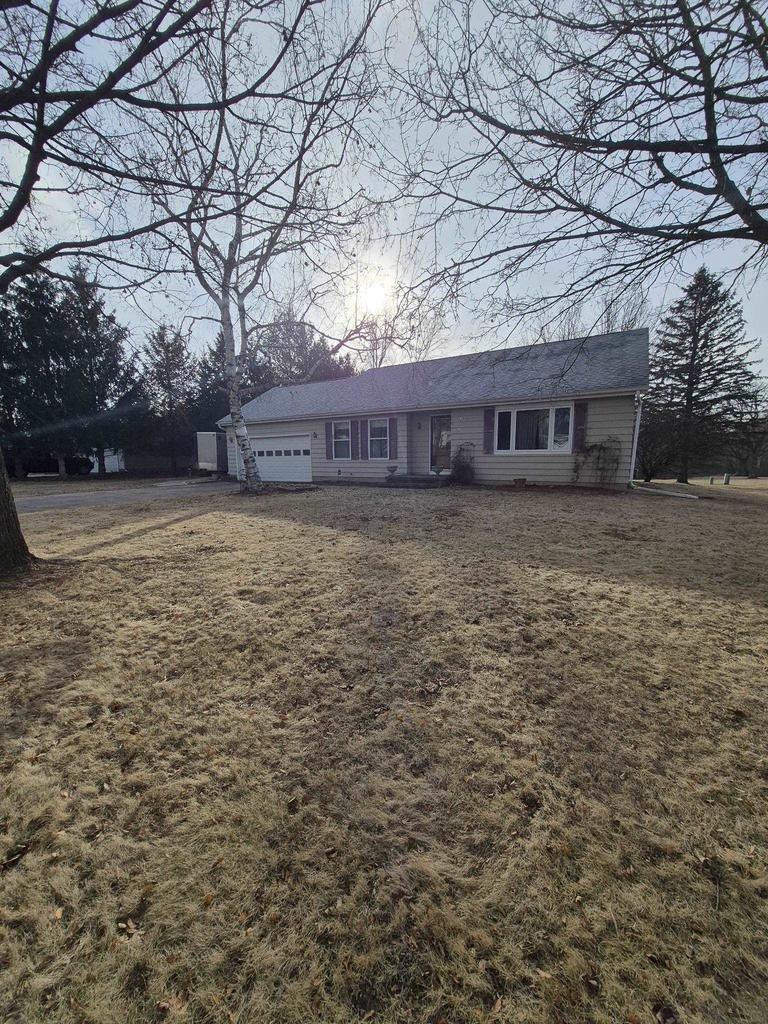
[
  {"x": 42, "y": 486},
  {"x": 391, "y": 756}
]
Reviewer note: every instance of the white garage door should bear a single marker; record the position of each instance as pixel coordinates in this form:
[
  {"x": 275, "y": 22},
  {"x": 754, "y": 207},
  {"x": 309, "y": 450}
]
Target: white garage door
[{"x": 283, "y": 458}]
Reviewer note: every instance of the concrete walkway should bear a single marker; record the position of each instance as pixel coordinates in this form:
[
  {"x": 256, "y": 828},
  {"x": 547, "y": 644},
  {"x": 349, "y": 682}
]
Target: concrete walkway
[{"x": 123, "y": 495}]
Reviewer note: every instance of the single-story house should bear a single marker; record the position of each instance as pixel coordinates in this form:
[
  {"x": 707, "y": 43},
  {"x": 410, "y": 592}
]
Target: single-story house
[{"x": 559, "y": 413}]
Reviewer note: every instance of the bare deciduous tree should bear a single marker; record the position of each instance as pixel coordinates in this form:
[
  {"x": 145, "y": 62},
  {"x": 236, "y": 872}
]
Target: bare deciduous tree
[
  {"x": 585, "y": 145},
  {"x": 78, "y": 80},
  {"x": 78, "y": 85},
  {"x": 259, "y": 187}
]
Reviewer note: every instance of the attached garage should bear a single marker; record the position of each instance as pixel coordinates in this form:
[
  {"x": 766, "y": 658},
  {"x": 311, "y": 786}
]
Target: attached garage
[{"x": 282, "y": 458}]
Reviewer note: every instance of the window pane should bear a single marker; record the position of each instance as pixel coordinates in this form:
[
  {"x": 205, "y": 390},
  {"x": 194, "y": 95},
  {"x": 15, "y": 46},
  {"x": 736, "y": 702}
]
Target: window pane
[
  {"x": 270, "y": 453},
  {"x": 532, "y": 430},
  {"x": 504, "y": 431},
  {"x": 379, "y": 448},
  {"x": 260, "y": 454},
  {"x": 306, "y": 451},
  {"x": 378, "y": 428},
  {"x": 297, "y": 451},
  {"x": 341, "y": 431},
  {"x": 562, "y": 428},
  {"x": 278, "y": 451},
  {"x": 341, "y": 449}
]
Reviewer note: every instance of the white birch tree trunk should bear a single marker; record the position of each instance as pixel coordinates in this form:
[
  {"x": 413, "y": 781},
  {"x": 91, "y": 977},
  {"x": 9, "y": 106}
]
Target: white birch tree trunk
[{"x": 253, "y": 481}]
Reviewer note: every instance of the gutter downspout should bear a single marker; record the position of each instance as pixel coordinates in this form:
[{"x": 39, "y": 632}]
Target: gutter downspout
[{"x": 638, "y": 412}]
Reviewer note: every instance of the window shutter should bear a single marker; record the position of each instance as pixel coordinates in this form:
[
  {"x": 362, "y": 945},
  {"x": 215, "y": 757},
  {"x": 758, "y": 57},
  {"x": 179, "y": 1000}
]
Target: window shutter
[
  {"x": 363, "y": 439},
  {"x": 489, "y": 421},
  {"x": 329, "y": 440},
  {"x": 354, "y": 438},
  {"x": 393, "y": 437},
  {"x": 579, "y": 426}
]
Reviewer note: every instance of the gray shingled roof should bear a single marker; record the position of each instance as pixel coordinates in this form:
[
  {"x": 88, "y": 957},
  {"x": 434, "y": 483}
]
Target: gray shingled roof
[{"x": 603, "y": 363}]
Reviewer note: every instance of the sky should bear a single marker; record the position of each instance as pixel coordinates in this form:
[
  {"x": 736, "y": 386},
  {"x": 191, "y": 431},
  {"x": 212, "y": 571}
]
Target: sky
[{"x": 373, "y": 280}]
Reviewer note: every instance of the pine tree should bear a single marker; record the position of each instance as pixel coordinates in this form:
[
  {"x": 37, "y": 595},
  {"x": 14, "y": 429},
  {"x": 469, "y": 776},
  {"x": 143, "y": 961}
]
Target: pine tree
[
  {"x": 700, "y": 367},
  {"x": 295, "y": 353},
  {"x": 747, "y": 432},
  {"x": 101, "y": 370},
  {"x": 46, "y": 376},
  {"x": 169, "y": 375},
  {"x": 12, "y": 436},
  {"x": 211, "y": 401}
]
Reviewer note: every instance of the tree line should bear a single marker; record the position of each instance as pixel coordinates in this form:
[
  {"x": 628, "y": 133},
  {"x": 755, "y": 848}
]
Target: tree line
[
  {"x": 707, "y": 407},
  {"x": 72, "y": 382}
]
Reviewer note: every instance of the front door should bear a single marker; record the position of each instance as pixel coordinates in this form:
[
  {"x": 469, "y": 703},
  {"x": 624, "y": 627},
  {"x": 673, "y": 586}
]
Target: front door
[{"x": 440, "y": 444}]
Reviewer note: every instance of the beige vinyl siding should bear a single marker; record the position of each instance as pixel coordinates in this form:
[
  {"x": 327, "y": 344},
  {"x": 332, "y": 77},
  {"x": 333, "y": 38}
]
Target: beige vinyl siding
[
  {"x": 606, "y": 417},
  {"x": 358, "y": 470}
]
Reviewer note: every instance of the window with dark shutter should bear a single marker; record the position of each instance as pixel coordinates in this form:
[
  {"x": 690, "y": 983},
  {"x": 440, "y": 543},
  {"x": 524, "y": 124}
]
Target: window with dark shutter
[
  {"x": 378, "y": 441},
  {"x": 342, "y": 439},
  {"x": 579, "y": 426},
  {"x": 504, "y": 431},
  {"x": 363, "y": 439},
  {"x": 489, "y": 415},
  {"x": 329, "y": 440},
  {"x": 393, "y": 437}
]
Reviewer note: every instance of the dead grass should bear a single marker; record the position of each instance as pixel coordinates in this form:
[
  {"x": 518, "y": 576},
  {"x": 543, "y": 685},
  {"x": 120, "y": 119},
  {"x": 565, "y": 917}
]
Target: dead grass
[
  {"x": 407, "y": 756},
  {"x": 40, "y": 486}
]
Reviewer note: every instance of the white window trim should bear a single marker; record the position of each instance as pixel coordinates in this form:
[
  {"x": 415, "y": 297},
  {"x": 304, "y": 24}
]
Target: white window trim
[
  {"x": 341, "y": 458},
  {"x": 549, "y": 450},
  {"x": 378, "y": 458}
]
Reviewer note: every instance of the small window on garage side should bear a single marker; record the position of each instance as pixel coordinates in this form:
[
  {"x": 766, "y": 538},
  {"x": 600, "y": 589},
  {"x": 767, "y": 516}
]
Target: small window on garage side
[
  {"x": 297, "y": 451},
  {"x": 306, "y": 451},
  {"x": 341, "y": 440},
  {"x": 378, "y": 439},
  {"x": 270, "y": 453},
  {"x": 260, "y": 454},
  {"x": 278, "y": 451},
  {"x": 504, "y": 432},
  {"x": 287, "y": 451}
]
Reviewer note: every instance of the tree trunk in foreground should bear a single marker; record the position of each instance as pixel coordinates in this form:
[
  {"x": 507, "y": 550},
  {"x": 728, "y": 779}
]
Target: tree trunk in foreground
[
  {"x": 14, "y": 553},
  {"x": 62, "y": 466},
  {"x": 102, "y": 462},
  {"x": 252, "y": 480}
]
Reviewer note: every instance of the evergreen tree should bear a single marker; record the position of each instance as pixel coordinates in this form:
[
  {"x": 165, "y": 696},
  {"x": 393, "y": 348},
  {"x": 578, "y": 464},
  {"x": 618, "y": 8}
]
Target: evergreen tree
[
  {"x": 211, "y": 401},
  {"x": 45, "y": 372},
  {"x": 747, "y": 432},
  {"x": 700, "y": 367},
  {"x": 102, "y": 372},
  {"x": 12, "y": 436},
  {"x": 169, "y": 377},
  {"x": 295, "y": 353}
]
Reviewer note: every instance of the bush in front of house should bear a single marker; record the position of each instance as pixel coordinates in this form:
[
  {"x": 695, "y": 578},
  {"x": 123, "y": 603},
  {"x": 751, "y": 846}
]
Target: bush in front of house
[{"x": 462, "y": 467}]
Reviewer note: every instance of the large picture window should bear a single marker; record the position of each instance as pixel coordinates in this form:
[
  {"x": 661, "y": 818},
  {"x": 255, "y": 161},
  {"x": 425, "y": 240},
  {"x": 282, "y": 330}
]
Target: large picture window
[
  {"x": 545, "y": 428},
  {"x": 531, "y": 430},
  {"x": 378, "y": 439},
  {"x": 342, "y": 448}
]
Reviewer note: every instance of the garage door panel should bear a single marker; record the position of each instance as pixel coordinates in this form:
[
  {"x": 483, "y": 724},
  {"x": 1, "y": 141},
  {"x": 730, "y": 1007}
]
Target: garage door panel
[{"x": 286, "y": 458}]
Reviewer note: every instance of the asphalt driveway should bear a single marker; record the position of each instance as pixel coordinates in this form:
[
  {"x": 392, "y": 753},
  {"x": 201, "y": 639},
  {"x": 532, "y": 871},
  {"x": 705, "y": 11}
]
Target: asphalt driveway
[{"x": 122, "y": 495}]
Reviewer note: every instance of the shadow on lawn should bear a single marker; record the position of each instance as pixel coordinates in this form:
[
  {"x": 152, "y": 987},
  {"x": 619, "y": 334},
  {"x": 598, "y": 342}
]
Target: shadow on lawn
[
  {"x": 711, "y": 547},
  {"x": 124, "y": 538}
]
